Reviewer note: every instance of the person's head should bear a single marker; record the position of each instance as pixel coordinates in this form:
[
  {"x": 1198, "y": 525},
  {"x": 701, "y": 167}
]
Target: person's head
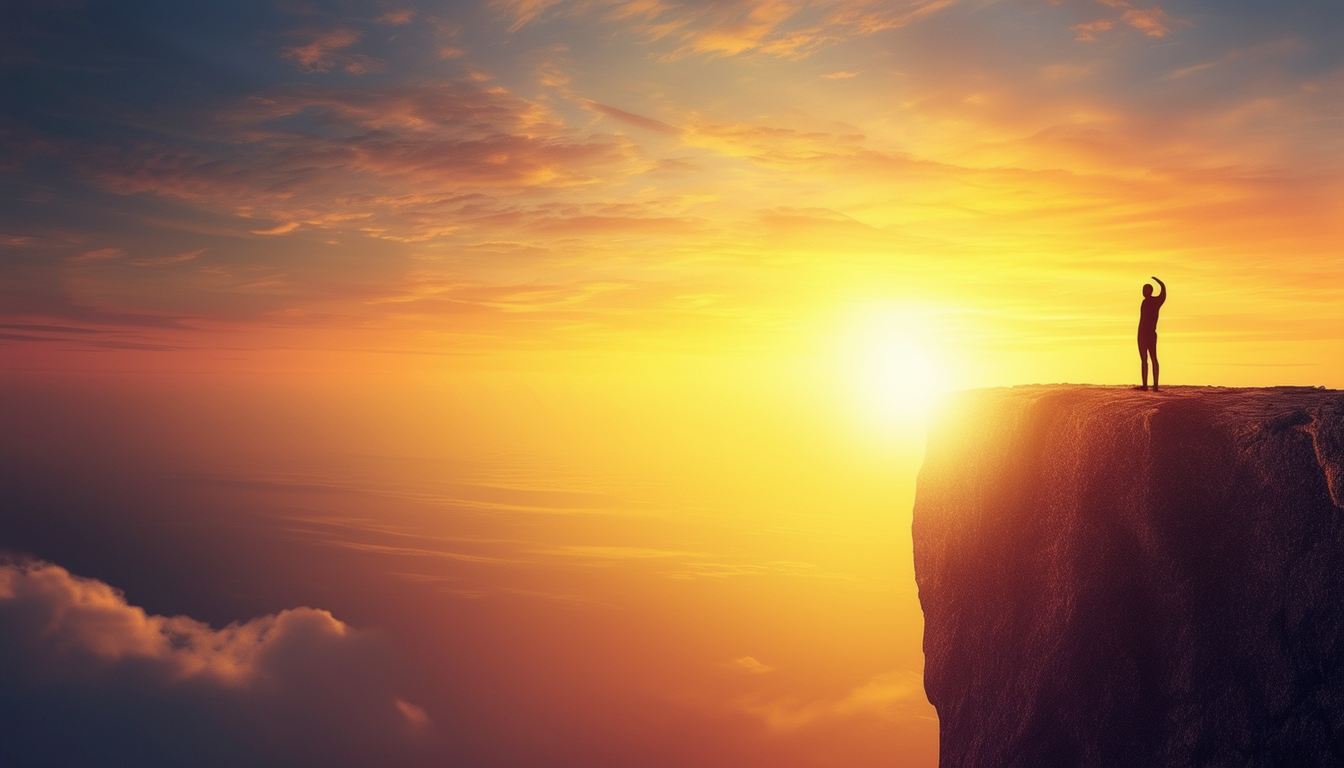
[{"x": 1147, "y": 290}]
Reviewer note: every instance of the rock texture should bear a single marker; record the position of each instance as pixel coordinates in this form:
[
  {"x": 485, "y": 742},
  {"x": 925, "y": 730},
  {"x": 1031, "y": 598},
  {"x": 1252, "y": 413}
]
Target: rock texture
[{"x": 1121, "y": 578}]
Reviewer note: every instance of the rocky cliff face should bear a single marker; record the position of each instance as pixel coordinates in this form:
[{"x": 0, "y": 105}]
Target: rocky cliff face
[{"x": 1131, "y": 579}]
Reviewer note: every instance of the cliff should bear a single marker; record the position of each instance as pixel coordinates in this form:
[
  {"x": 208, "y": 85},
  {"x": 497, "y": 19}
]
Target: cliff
[{"x": 1122, "y": 578}]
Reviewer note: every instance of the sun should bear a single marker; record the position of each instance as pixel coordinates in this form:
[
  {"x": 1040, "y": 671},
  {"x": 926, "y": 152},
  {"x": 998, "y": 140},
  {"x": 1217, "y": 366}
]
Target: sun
[
  {"x": 895, "y": 374},
  {"x": 901, "y": 381}
]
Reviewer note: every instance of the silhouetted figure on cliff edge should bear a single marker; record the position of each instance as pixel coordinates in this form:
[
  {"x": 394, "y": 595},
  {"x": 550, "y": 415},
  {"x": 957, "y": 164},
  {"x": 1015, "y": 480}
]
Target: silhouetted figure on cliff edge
[{"x": 1148, "y": 329}]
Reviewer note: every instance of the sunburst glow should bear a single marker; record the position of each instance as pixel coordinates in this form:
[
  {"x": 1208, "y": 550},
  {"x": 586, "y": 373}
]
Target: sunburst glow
[
  {"x": 892, "y": 369},
  {"x": 903, "y": 380}
]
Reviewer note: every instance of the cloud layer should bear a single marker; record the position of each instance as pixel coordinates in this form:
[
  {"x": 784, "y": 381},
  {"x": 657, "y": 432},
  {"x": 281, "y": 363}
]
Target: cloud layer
[{"x": 89, "y": 679}]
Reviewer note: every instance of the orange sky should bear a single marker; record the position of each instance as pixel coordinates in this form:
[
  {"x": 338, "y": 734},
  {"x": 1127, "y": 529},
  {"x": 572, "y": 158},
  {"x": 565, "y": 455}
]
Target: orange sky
[
  {"x": 734, "y": 179},
  {"x": 706, "y": 260}
]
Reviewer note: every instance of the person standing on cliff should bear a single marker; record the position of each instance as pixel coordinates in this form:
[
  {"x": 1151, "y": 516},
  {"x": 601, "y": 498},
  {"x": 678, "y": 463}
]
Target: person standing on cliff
[{"x": 1148, "y": 329}]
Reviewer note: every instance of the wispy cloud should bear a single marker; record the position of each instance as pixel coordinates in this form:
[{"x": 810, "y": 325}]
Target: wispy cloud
[
  {"x": 523, "y": 11},
  {"x": 788, "y": 30},
  {"x": 1152, "y": 21},
  {"x": 325, "y": 50},
  {"x": 750, "y": 665},
  {"x": 889, "y": 696},
  {"x": 867, "y": 18},
  {"x": 397, "y": 17},
  {"x": 647, "y": 123},
  {"x": 100, "y": 254},
  {"x": 176, "y": 258},
  {"x": 399, "y": 162},
  {"x": 1088, "y": 31}
]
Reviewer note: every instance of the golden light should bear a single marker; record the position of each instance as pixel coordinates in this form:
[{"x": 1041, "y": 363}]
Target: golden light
[
  {"x": 894, "y": 372},
  {"x": 901, "y": 382}
]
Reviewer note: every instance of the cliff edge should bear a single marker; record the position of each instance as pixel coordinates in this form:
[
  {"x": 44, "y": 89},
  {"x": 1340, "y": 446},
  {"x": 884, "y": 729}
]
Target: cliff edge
[{"x": 1130, "y": 579}]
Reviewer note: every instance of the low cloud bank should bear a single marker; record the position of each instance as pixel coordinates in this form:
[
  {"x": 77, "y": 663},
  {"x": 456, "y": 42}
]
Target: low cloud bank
[{"x": 88, "y": 679}]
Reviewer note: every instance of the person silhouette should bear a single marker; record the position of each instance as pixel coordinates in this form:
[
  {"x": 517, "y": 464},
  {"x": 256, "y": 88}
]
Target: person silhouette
[{"x": 1148, "y": 329}]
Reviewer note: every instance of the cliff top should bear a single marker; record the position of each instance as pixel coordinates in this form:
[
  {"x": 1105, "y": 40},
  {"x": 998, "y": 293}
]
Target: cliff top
[{"x": 1247, "y": 402}]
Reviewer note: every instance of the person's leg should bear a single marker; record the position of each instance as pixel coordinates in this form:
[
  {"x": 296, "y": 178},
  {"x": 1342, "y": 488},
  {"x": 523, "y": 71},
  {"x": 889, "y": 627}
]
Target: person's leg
[
  {"x": 1152, "y": 350},
  {"x": 1143, "y": 362}
]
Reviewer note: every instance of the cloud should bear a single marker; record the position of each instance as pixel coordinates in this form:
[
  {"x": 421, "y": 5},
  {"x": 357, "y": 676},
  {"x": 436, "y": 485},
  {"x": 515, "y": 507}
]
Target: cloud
[
  {"x": 324, "y": 51},
  {"x": 176, "y": 258},
  {"x": 751, "y": 665},
  {"x": 782, "y": 28},
  {"x": 397, "y": 17},
  {"x": 408, "y": 162},
  {"x": 279, "y": 229},
  {"x": 888, "y": 696},
  {"x": 1264, "y": 56},
  {"x": 754, "y": 26},
  {"x": 522, "y": 11},
  {"x": 1150, "y": 21},
  {"x": 617, "y": 225},
  {"x": 100, "y": 254},
  {"x": 415, "y": 716},
  {"x": 866, "y": 18},
  {"x": 648, "y": 124},
  {"x": 788, "y": 149},
  {"x": 90, "y": 679},
  {"x": 1087, "y": 31},
  {"x": 1153, "y": 21}
]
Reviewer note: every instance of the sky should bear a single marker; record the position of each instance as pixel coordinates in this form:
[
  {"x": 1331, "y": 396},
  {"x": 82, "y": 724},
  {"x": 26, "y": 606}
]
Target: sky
[{"x": 541, "y": 382}]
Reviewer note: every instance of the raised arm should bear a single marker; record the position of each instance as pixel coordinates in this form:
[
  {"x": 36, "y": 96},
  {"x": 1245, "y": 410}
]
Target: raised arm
[{"x": 1162, "y": 297}]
